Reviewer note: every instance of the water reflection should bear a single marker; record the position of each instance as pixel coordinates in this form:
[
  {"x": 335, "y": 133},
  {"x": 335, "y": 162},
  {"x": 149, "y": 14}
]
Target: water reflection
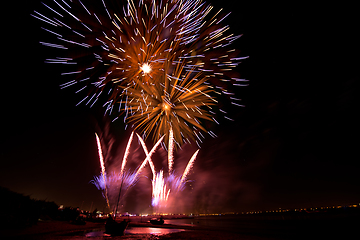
[
  {"x": 150, "y": 230},
  {"x": 96, "y": 234},
  {"x": 136, "y": 230}
]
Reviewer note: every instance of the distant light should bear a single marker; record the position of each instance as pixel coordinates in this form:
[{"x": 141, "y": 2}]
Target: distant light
[{"x": 146, "y": 68}]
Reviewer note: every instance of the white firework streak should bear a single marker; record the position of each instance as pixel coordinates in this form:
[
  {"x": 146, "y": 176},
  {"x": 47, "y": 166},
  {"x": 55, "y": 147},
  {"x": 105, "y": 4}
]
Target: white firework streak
[
  {"x": 187, "y": 169},
  {"x": 128, "y": 178},
  {"x": 148, "y": 155},
  {"x": 103, "y": 172},
  {"x": 160, "y": 192},
  {"x": 161, "y": 186},
  {"x": 171, "y": 150},
  {"x": 126, "y": 154}
]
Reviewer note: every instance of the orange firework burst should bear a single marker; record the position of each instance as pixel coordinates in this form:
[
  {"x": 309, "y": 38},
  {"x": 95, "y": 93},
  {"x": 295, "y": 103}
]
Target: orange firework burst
[
  {"x": 177, "y": 102},
  {"x": 149, "y": 56}
]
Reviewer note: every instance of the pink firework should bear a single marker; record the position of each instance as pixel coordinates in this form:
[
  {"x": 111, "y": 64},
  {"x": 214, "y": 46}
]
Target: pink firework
[
  {"x": 125, "y": 179},
  {"x": 163, "y": 187},
  {"x": 160, "y": 191}
]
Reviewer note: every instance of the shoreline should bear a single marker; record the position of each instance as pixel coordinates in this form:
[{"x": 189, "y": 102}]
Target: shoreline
[
  {"x": 46, "y": 228},
  {"x": 246, "y": 229}
]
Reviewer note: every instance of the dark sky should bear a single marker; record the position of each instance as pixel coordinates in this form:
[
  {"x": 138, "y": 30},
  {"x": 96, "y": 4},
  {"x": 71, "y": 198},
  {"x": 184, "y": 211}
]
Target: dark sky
[{"x": 295, "y": 144}]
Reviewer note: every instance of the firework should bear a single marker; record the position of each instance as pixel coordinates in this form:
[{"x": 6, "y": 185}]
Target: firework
[
  {"x": 146, "y": 52},
  {"x": 171, "y": 151},
  {"x": 177, "y": 102},
  {"x": 148, "y": 155},
  {"x": 103, "y": 171},
  {"x": 160, "y": 193},
  {"x": 114, "y": 180},
  {"x": 187, "y": 170},
  {"x": 163, "y": 187},
  {"x": 125, "y": 179},
  {"x": 126, "y": 154}
]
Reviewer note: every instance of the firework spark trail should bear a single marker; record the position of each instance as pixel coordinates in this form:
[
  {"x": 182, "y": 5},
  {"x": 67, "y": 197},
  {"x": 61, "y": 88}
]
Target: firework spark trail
[
  {"x": 148, "y": 155},
  {"x": 103, "y": 172},
  {"x": 188, "y": 168},
  {"x": 128, "y": 178},
  {"x": 126, "y": 154},
  {"x": 114, "y": 180},
  {"x": 162, "y": 186},
  {"x": 170, "y": 151}
]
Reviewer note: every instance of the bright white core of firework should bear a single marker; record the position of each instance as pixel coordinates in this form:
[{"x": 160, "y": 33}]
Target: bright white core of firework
[{"x": 145, "y": 68}]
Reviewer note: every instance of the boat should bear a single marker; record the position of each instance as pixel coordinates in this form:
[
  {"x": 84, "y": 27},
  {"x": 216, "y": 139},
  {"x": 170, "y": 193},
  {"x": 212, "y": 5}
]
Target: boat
[
  {"x": 115, "y": 228},
  {"x": 157, "y": 221},
  {"x": 111, "y": 226}
]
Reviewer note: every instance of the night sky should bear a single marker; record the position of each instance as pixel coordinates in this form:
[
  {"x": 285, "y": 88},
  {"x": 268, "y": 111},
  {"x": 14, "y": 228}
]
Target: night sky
[{"x": 294, "y": 145}]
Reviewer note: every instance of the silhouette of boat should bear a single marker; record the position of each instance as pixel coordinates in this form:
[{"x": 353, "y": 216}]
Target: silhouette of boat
[
  {"x": 157, "y": 221},
  {"x": 114, "y": 228},
  {"x": 111, "y": 226}
]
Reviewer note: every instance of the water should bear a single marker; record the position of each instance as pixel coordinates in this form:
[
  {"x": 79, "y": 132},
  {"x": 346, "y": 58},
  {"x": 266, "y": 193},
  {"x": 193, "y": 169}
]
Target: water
[
  {"x": 135, "y": 231},
  {"x": 209, "y": 221},
  {"x": 150, "y": 230}
]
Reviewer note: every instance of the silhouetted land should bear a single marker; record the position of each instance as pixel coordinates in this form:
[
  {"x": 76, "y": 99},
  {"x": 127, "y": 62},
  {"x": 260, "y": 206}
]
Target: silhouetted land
[{"x": 24, "y": 218}]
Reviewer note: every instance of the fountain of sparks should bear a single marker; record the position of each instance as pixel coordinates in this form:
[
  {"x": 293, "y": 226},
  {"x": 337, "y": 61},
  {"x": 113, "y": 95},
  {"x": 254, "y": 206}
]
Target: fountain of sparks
[
  {"x": 164, "y": 186},
  {"x": 167, "y": 187},
  {"x": 123, "y": 181}
]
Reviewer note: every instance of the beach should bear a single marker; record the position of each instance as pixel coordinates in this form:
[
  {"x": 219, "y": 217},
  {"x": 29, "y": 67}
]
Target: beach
[
  {"x": 217, "y": 227},
  {"x": 59, "y": 230}
]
